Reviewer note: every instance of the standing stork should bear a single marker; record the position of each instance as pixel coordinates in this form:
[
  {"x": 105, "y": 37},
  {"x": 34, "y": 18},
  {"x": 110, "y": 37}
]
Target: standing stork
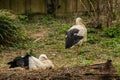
[{"x": 76, "y": 35}]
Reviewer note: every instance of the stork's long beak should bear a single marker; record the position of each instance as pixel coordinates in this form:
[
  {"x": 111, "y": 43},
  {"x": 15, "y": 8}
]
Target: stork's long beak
[{"x": 9, "y": 62}]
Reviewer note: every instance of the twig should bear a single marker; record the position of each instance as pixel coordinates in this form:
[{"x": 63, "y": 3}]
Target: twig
[
  {"x": 36, "y": 40},
  {"x": 93, "y": 7},
  {"x": 86, "y": 9}
]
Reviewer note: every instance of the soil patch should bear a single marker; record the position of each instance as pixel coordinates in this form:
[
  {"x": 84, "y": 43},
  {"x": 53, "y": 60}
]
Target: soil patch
[{"x": 102, "y": 71}]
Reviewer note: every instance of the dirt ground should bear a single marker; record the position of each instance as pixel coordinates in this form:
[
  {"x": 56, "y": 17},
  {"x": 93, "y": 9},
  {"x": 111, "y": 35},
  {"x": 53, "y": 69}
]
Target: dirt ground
[{"x": 101, "y": 71}]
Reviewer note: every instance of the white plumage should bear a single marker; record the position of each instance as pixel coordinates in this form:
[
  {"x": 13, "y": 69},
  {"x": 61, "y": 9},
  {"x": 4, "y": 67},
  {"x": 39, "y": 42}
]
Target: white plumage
[
  {"x": 77, "y": 34},
  {"x": 42, "y": 63},
  {"x": 35, "y": 63},
  {"x": 47, "y": 62}
]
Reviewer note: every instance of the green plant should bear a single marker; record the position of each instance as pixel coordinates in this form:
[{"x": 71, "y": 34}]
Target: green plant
[
  {"x": 93, "y": 39},
  {"x": 112, "y": 32},
  {"x": 11, "y": 30},
  {"x": 91, "y": 30},
  {"x": 46, "y": 19},
  {"x": 109, "y": 43},
  {"x": 87, "y": 62},
  {"x": 23, "y": 18},
  {"x": 8, "y": 14},
  {"x": 67, "y": 55},
  {"x": 63, "y": 28}
]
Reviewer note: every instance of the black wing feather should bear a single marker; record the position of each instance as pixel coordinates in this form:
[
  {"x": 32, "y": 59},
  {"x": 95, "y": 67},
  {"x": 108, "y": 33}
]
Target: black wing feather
[
  {"x": 72, "y": 38},
  {"x": 19, "y": 62}
]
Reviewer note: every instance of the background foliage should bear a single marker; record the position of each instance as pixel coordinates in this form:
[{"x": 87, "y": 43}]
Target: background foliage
[{"x": 11, "y": 29}]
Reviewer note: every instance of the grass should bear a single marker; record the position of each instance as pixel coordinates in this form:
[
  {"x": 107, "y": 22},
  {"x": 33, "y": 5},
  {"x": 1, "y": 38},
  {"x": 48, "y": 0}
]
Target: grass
[{"x": 97, "y": 49}]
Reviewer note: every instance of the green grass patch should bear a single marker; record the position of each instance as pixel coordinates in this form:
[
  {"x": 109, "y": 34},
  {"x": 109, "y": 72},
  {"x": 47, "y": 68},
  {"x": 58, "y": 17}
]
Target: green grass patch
[
  {"x": 11, "y": 30},
  {"x": 100, "y": 45},
  {"x": 112, "y": 32}
]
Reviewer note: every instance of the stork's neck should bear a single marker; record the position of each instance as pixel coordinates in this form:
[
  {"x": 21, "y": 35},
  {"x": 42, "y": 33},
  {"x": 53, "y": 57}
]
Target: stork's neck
[{"x": 79, "y": 23}]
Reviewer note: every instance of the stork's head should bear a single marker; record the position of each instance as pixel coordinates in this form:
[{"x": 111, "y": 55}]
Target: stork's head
[
  {"x": 79, "y": 21},
  {"x": 43, "y": 57}
]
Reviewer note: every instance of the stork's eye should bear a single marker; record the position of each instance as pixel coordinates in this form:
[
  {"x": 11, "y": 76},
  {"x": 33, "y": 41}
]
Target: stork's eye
[{"x": 45, "y": 58}]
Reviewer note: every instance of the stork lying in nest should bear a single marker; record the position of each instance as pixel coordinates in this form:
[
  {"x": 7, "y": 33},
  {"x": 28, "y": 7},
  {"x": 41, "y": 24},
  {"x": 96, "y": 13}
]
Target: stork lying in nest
[{"x": 31, "y": 62}]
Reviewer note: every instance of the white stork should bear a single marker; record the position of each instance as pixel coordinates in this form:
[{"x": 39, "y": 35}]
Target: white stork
[
  {"x": 31, "y": 62},
  {"x": 77, "y": 34}
]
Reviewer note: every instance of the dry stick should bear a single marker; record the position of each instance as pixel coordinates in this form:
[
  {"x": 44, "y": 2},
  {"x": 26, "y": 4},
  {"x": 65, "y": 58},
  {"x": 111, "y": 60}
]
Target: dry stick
[
  {"x": 86, "y": 9},
  {"x": 117, "y": 11},
  {"x": 110, "y": 11},
  {"x": 93, "y": 8},
  {"x": 109, "y": 15},
  {"x": 103, "y": 10},
  {"x": 76, "y": 11},
  {"x": 98, "y": 12},
  {"x": 108, "y": 19},
  {"x": 109, "y": 4},
  {"x": 36, "y": 40}
]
